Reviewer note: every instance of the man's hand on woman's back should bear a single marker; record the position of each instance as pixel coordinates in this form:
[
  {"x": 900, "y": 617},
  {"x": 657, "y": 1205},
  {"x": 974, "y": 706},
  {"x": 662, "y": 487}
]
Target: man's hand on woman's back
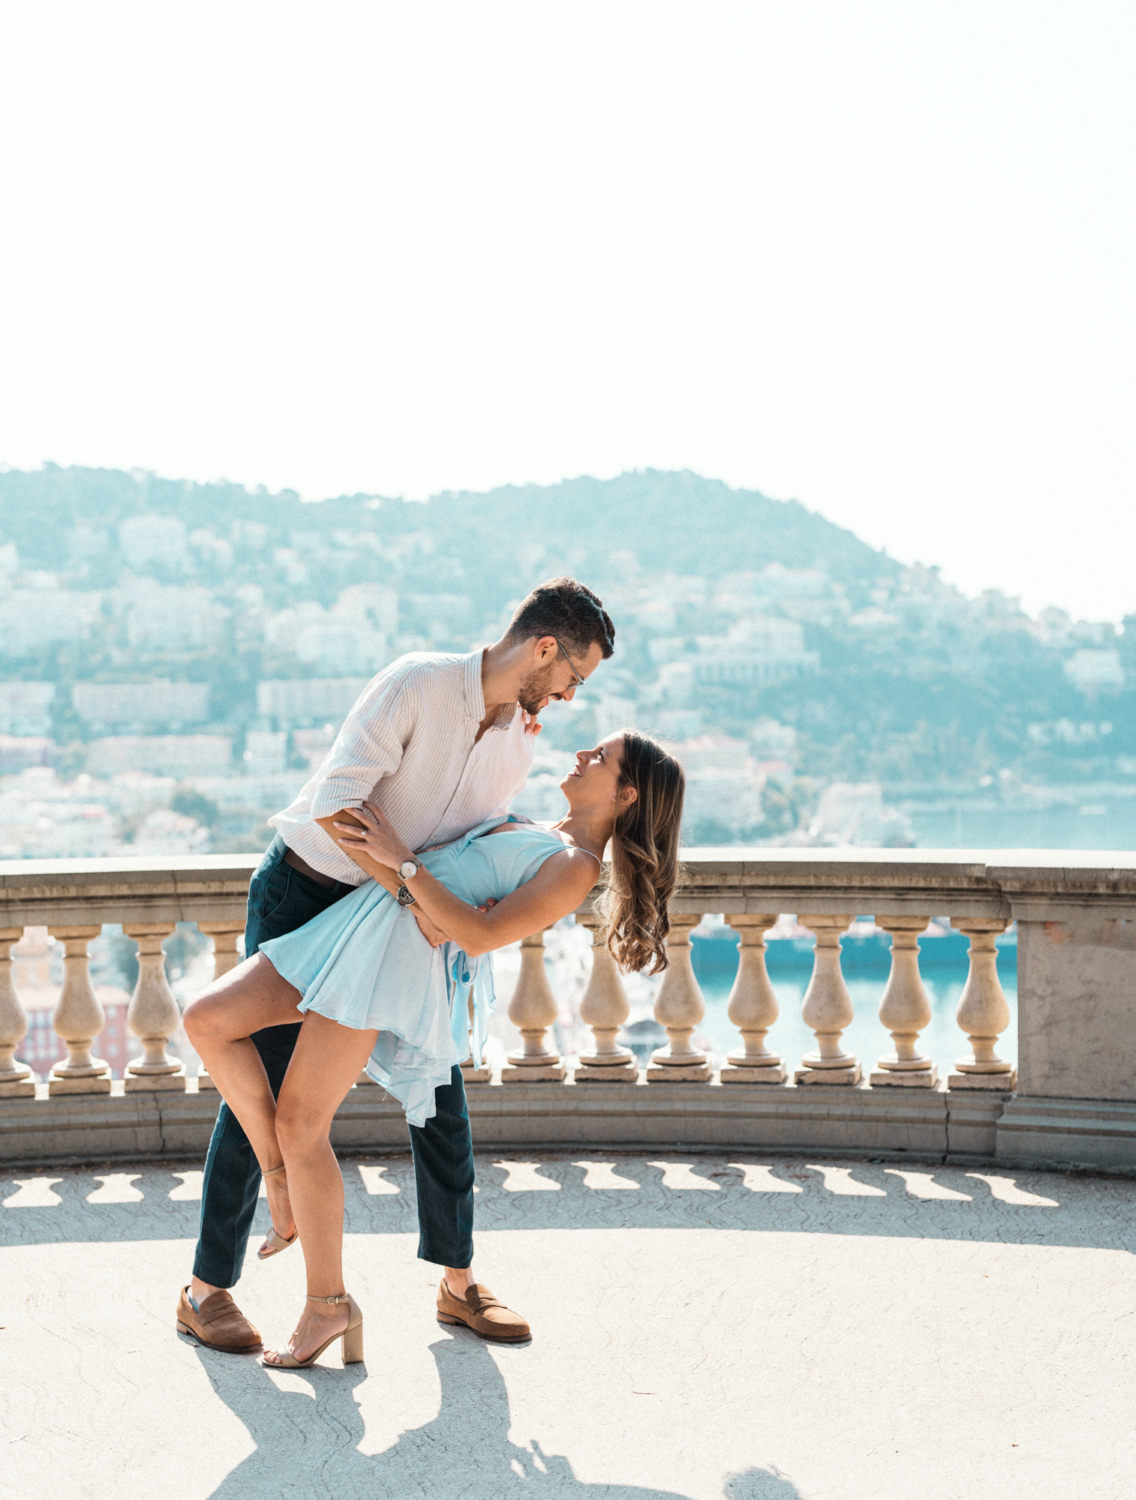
[{"x": 433, "y": 935}]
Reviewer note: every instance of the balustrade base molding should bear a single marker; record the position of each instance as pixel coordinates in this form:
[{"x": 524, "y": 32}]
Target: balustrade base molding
[
  {"x": 924, "y": 1078},
  {"x": 18, "y": 1088},
  {"x": 680, "y": 1073},
  {"x": 620, "y": 1072},
  {"x": 154, "y": 1083},
  {"x": 205, "y": 1084},
  {"x": 82, "y": 1083},
  {"x": 920, "y": 1124},
  {"x": 972, "y": 1123},
  {"x": 516, "y": 1072},
  {"x": 740, "y": 1074},
  {"x": 1070, "y": 1132},
  {"x": 1004, "y": 1083},
  {"x": 829, "y": 1077},
  {"x": 179, "y": 1125}
]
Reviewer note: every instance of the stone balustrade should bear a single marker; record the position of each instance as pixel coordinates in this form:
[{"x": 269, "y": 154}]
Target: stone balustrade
[{"x": 1072, "y": 1097}]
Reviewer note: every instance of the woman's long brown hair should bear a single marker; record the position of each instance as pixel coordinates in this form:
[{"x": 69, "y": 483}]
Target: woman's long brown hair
[{"x": 644, "y": 856}]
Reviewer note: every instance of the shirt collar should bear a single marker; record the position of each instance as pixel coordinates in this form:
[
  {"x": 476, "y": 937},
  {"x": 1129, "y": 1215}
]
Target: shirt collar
[{"x": 474, "y": 696}]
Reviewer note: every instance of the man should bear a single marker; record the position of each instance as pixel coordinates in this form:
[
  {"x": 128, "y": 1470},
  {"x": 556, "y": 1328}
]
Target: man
[{"x": 440, "y": 743}]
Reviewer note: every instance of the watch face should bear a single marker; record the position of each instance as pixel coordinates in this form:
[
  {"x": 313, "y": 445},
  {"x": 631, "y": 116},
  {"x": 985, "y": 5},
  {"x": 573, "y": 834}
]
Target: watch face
[{"x": 408, "y": 869}]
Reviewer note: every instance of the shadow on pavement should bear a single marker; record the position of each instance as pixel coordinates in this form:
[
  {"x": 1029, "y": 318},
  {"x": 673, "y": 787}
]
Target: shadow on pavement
[
  {"x": 307, "y": 1443},
  {"x": 601, "y": 1190}
]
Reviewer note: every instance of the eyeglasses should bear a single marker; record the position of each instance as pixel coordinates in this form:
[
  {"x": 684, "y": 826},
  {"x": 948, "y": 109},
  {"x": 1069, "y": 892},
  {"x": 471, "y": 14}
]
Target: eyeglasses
[{"x": 579, "y": 680}]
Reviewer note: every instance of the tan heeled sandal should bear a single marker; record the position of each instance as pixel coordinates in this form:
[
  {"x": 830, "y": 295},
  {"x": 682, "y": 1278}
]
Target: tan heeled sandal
[
  {"x": 274, "y": 1243},
  {"x": 352, "y": 1337}
]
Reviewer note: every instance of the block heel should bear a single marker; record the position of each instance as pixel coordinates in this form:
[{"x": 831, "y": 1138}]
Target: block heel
[
  {"x": 353, "y": 1343},
  {"x": 351, "y": 1336}
]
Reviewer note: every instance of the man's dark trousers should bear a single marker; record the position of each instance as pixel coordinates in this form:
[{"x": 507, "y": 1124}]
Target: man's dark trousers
[{"x": 280, "y": 900}]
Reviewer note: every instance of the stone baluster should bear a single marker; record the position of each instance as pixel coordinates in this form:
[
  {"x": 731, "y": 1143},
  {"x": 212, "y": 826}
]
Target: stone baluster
[
  {"x": 604, "y": 1009},
  {"x": 983, "y": 1012},
  {"x": 78, "y": 1018},
  {"x": 679, "y": 1007},
  {"x": 16, "y": 1081},
  {"x": 153, "y": 1016},
  {"x": 753, "y": 1006},
  {"x": 532, "y": 1011},
  {"x": 827, "y": 1007},
  {"x": 226, "y": 936},
  {"x": 904, "y": 1009}
]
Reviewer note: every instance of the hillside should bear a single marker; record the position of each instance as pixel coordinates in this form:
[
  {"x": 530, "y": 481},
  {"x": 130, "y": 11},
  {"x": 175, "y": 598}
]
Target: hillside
[
  {"x": 673, "y": 522},
  {"x": 738, "y": 616}
]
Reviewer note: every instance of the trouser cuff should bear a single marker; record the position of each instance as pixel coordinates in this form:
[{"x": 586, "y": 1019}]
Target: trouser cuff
[
  {"x": 460, "y": 1260},
  {"x": 219, "y": 1276}
]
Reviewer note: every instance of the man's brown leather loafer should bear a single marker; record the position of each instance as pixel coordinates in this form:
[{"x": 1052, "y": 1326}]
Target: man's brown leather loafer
[
  {"x": 480, "y": 1310},
  {"x": 218, "y": 1323}
]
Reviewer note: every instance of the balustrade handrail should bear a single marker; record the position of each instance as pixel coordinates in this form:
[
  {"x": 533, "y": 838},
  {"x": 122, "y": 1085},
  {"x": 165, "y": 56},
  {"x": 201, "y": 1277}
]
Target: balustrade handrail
[
  {"x": 897, "y": 881},
  {"x": 893, "y": 876},
  {"x": 176, "y": 888}
]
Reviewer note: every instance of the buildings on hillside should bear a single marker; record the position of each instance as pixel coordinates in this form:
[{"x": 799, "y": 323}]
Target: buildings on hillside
[
  {"x": 137, "y": 706},
  {"x": 157, "y": 650}
]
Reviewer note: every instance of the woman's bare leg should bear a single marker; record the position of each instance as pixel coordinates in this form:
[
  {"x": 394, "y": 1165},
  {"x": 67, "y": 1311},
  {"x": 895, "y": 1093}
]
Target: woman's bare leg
[
  {"x": 325, "y": 1064},
  {"x": 220, "y": 1023}
]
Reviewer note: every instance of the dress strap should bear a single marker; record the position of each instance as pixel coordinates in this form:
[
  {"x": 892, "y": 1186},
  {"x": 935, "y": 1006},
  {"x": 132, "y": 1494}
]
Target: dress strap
[{"x": 582, "y": 850}]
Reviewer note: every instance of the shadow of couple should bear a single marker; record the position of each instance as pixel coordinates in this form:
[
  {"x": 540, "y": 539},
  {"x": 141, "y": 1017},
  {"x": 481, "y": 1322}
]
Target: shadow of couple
[{"x": 310, "y": 1447}]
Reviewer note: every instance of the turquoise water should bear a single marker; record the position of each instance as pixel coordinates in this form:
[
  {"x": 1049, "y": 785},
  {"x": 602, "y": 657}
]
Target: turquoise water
[{"x": 1097, "y": 821}]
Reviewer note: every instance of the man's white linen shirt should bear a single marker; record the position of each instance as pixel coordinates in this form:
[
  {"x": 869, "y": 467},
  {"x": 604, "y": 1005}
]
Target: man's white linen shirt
[{"x": 410, "y": 746}]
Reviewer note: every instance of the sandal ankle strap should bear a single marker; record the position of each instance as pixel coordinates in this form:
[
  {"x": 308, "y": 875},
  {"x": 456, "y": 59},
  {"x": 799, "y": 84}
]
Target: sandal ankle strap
[
  {"x": 272, "y": 1171},
  {"x": 342, "y": 1297}
]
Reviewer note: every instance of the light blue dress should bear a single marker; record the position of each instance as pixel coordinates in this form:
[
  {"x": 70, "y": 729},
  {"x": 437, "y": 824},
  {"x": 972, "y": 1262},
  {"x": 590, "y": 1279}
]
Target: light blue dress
[{"x": 364, "y": 963}]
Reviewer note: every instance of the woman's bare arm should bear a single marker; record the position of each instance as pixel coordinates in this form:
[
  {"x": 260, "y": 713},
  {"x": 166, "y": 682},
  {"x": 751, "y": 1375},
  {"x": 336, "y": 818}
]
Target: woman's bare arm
[{"x": 557, "y": 888}]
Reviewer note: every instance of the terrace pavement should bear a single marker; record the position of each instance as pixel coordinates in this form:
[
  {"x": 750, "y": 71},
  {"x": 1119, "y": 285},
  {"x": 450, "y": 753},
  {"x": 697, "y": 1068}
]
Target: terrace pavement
[{"x": 760, "y": 1328}]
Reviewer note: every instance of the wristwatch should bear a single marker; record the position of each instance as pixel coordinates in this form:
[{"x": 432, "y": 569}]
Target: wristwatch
[
  {"x": 404, "y": 898},
  {"x": 409, "y": 869}
]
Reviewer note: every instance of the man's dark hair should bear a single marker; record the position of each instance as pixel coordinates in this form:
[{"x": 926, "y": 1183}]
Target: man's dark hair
[{"x": 569, "y": 611}]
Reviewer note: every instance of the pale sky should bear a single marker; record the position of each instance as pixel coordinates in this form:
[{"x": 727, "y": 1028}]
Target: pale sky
[{"x": 878, "y": 257}]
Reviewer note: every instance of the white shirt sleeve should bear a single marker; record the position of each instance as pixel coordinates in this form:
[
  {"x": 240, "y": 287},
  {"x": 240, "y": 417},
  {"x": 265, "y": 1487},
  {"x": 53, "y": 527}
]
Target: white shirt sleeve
[{"x": 369, "y": 746}]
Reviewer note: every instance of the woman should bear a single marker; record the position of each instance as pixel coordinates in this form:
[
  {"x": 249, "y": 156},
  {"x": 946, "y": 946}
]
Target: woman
[{"x": 373, "y": 993}]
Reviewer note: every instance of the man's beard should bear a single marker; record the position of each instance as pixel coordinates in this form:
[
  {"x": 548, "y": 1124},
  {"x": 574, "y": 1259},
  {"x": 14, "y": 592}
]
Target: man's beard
[{"x": 534, "y": 689}]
